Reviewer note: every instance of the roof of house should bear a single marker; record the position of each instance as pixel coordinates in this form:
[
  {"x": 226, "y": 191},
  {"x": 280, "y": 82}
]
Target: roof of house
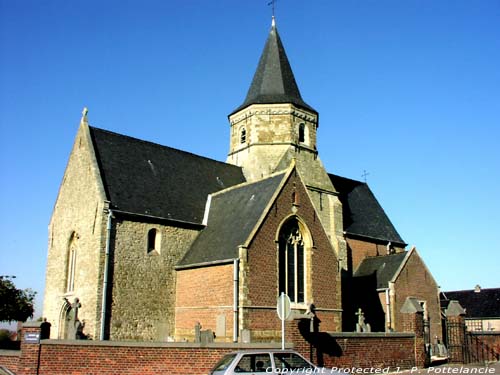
[
  {"x": 478, "y": 303},
  {"x": 149, "y": 179},
  {"x": 233, "y": 215},
  {"x": 362, "y": 213},
  {"x": 383, "y": 268},
  {"x": 273, "y": 81}
]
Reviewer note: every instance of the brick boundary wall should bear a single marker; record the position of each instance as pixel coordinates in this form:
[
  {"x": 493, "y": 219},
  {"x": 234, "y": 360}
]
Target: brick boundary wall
[
  {"x": 79, "y": 357},
  {"x": 350, "y": 349},
  {"x": 484, "y": 346},
  {"x": 10, "y": 359},
  {"x": 492, "y": 339}
]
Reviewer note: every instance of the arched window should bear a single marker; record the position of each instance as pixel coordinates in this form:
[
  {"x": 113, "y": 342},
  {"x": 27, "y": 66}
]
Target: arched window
[
  {"x": 71, "y": 263},
  {"x": 154, "y": 241},
  {"x": 291, "y": 261},
  {"x": 243, "y": 135},
  {"x": 302, "y": 133}
]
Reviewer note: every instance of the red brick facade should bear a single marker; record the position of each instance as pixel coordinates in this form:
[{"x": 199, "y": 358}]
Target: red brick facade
[
  {"x": 323, "y": 284},
  {"x": 360, "y": 249},
  {"x": 202, "y": 295},
  {"x": 207, "y": 292},
  {"x": 415, "y": 280}
]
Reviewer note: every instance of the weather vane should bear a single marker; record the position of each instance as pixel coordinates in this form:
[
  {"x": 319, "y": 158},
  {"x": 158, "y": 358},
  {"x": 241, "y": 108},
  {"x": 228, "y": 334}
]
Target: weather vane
[{"x": 272, "y": 3}]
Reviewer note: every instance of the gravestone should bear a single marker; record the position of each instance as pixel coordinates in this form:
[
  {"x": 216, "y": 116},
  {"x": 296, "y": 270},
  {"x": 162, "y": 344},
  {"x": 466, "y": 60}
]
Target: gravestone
[{"x": 220, "y": 328}]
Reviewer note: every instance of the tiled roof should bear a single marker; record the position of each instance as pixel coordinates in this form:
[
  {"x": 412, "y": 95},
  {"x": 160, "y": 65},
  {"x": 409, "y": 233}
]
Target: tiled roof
[
  {"x": 479, "y": 303},
  {"x": 273, "y": 81},
  {"x": 232, "y": 217},
  {"x": 362, "y": 213},
  {"x": 149, "y": 179},
  {"x": 383, "y": 268}
]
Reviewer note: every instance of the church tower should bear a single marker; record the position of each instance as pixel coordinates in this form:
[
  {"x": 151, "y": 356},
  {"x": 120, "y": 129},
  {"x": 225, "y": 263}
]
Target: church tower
[{"x": 275, "y": 126}]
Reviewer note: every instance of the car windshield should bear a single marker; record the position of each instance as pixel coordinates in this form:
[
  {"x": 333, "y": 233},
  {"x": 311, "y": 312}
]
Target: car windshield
[
  {"x": 291, "y": 361},
  {"x": 224, "y": 363}
]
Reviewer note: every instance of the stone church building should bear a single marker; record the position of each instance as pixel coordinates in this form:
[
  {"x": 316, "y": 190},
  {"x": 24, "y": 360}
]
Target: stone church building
[{"x": 146, "y": 241}]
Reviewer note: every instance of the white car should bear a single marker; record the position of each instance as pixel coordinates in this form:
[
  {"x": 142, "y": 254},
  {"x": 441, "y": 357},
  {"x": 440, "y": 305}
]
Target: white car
[{"x": 266, "y": 361}]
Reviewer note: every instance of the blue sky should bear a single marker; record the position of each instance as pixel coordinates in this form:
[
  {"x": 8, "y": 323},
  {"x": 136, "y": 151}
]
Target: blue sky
[{"x": 408, "y": 90}]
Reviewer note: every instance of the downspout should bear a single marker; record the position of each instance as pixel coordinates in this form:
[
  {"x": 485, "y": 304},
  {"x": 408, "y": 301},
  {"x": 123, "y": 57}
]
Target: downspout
[
  {"x": 106, "y": 276},
  {"x": 392, "y": 305},
  {"x": 388, "y": 311},
  {"x": 236, "y": 280}
]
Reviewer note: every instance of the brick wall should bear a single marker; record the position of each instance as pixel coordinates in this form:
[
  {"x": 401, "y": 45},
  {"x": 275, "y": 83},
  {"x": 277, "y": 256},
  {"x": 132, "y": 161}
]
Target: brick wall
[
  {"x": 111, "y": 358},
  {"x": 261, "y": 265},
  {"x": 360, "y": 249},
  {"x": 491, "y": 339},
  {"x": 10, "y": 359},
  {"x": 485, "y": 345},
  {"x": 416, "y": 281},
  {"x": 204, "y": 294},
  {"x": 347, "y": 350}
]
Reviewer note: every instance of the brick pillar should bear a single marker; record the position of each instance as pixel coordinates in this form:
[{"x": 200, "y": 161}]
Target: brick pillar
[
  {"x": 413, "y": 321},
  {"x": 30, "y": 349}
]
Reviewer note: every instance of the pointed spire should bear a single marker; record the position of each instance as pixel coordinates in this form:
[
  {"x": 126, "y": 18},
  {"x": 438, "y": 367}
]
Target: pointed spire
[{"x": 273, "y": 81}]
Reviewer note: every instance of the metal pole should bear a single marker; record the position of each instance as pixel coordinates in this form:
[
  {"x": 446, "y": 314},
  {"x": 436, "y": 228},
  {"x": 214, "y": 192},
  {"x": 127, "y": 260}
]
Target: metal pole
[
  {"x": 236, "y": 277},
  {"x": 282, "y": 321}
]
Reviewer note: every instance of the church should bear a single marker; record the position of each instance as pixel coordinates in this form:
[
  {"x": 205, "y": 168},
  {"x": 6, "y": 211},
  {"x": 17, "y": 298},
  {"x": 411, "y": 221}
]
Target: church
[{"x": 146, "y": 241}]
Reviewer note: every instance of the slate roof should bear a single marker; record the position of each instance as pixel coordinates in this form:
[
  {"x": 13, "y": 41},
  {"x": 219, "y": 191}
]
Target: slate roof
[
  {"x": 362, "y": 213},
  {"x": 273, "y": 81},
  {"x": 149, "y": 179},
  {"x": 233, "y": 216},
  {"x": 483, "y": 304},
  {"x": 383, "y": 268}
]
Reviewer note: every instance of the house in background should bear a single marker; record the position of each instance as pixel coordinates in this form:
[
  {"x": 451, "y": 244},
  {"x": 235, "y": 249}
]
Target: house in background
[{"x": 482, "y": 307}]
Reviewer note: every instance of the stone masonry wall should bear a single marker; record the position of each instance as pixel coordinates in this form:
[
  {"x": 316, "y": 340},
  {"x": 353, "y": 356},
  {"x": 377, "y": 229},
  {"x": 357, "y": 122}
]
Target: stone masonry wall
[
  {"x": 79, "y": 212},
  {"x": 143, "y": 284}
]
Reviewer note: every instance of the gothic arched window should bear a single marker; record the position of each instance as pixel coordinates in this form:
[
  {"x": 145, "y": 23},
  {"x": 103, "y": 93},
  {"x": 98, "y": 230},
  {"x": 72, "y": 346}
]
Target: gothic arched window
[{"x": 291, "y": 261}]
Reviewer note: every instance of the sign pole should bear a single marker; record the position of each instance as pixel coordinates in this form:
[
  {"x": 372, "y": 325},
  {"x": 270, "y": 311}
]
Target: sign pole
[
  {"x": 282, "y": 321},
  {"x": 284, "y": 310}
]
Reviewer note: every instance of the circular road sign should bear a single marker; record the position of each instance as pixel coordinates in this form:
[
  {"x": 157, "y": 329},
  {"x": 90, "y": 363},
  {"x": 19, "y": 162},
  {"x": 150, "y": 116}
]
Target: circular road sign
[{"x": 283, "y": 306}]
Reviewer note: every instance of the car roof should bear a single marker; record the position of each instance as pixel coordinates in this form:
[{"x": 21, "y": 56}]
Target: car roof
[{"x": 257, "y": 351}]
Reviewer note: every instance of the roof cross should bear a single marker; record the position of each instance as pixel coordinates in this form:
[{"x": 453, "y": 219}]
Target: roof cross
[{"x": 365, "y": 173}]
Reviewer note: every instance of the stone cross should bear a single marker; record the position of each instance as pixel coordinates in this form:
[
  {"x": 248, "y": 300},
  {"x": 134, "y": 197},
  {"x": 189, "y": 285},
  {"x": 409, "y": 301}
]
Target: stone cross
[{"x": 361, "y": 326}]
